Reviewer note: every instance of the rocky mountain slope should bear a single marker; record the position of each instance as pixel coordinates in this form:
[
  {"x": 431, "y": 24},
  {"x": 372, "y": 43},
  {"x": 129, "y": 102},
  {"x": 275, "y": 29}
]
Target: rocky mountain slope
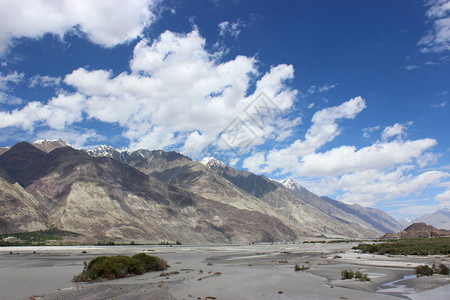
[
  {"x": 107, "y": 199},
  {"x": 156, "y": 195},
  {"x": 241, "y": 189},
  {"x": 439, "y": 219},
  {"x": 417, "y": 230}
]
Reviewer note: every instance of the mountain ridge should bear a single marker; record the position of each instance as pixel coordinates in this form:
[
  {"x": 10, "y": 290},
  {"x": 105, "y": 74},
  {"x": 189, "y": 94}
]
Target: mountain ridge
[{"x": 175, "y": 186}]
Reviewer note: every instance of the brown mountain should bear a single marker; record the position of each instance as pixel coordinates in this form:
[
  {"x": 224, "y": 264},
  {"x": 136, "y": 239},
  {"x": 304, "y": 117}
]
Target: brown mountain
[
  {"x": 107, "y": 199},
  {"x": 156, "y": 195},
  {"x": 417, "y": 230},
  {"x": 302, "y": 211}
]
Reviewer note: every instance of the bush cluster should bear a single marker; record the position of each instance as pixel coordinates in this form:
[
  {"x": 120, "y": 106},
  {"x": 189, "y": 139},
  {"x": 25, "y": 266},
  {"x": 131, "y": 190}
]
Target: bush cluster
[
  {"x": 425, "y": 270},
  {"x": 113, "y": 267},
  {"x": 345, "y": 274}
]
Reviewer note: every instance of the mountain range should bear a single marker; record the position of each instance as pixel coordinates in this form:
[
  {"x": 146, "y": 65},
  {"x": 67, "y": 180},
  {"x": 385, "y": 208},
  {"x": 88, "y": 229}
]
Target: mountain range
[{"x": 156, "y": 195}]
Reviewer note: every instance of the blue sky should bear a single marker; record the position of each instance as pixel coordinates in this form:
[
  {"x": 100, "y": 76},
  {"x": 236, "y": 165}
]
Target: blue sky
[{"x": 349, "y": 98}]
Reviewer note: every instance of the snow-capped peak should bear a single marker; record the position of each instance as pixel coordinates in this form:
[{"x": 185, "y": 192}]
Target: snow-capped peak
[
  {"x": 59, "y": 141},
  {"x": 212, "y": 162},
  {"x": 103, "y": 150},
  {"x": 291, "y": 184}
]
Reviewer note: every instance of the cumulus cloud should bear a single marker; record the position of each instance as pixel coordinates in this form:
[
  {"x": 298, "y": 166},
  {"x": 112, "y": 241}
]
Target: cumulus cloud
[
  {"x": 375, "y": 157},
  {"x": 389, "y": 168},
  {"x": 106, "y": 23},
  {"x": 324, "y": 129},
  {"x": 437, "y": 38},
  {"x": 178, "y": 95},
  {"x": 57, "y": 113}
]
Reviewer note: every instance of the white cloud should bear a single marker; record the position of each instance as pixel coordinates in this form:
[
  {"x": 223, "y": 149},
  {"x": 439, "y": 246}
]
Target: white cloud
[
  {"x": 8, "y": 79},
  {"x": 411, "y": 67},
  {"x": 375, "y": 157},
  {"x": 233, "y": 29},
  {"x": 327, "y": 87},
  {"x": 437, "y": 39},
  {"x": 397, "y": 130},
  {"x": 178, "y": 95},
  {"x": 391, "y": 131},
  {"x": 443, "y": 198},
  {"x": 388, "y": 169},
  {"x": 9, "y": 99},
  {"x": 57, "y": 113},
  {"x": 106, "y": 23},
  {"x": 440, "y": 105},
  {"x": 324, "y": 129},
  {"x": 44, "y": 81},
  {"x": 368, "y": 131}
]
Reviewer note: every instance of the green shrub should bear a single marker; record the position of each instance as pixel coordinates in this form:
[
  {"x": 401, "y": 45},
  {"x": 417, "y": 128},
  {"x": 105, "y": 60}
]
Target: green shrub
[
  {"x": 361, "y": 277},
  {"x": 151, "y": 263},
  {"x": 441, "y": 269},
  {"x": 113, "y": 267},
  {"x": 345, "y": 274},
  {"x": 302, "y": 268},
  {"x": 424, "y": 270}
]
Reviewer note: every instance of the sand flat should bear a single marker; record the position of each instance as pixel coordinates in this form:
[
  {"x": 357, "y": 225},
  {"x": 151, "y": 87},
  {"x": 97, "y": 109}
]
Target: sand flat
[{"x": 223, "y": 271}]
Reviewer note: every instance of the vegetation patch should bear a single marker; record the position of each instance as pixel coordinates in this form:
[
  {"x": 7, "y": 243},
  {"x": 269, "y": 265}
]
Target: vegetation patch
[
  {"x": 34, "y": 238},
  {"x": 346, "y": 274},
  {"x": 425, "y": 270},
  {"x": 302, "y": 268},
  {"x": 113, "y": 267},
  {"x": 423, "y": 246}
]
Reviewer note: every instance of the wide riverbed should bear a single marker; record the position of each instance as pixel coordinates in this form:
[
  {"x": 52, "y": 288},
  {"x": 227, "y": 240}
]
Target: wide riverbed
[{"x": 262, "y": 271}]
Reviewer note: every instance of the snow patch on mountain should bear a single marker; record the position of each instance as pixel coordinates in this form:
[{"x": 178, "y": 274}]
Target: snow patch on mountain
[
  {"x": 212, "y": 163},
  {"x": 291, "y": 184}
]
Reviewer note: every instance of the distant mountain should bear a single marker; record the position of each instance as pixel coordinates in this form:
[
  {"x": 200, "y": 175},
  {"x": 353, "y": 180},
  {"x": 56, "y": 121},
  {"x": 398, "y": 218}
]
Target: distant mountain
[
  {"x": 417, "y": 230},
  {"x": 405, "y": 221},
  {"x": 439, "y": 219},
  {"x": 157, "y": 195}
]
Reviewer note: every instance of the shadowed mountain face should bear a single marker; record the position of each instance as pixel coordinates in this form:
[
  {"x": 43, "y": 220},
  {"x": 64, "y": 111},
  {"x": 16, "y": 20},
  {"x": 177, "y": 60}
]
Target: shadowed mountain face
[
  {"x": 107, "y": 199},
  {"x": 335, "y": 217}
]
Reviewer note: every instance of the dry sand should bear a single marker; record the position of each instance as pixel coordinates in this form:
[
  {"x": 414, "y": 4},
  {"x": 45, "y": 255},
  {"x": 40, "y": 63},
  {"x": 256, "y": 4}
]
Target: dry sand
[{"x": 221, "y": 271}]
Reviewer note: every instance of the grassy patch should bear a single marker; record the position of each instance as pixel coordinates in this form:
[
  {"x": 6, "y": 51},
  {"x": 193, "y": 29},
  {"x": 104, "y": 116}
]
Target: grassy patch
[
  {"x": 425, "y": 246},
  {"x": 40, "y": 237},
  {"x": 113, "y": 267}
]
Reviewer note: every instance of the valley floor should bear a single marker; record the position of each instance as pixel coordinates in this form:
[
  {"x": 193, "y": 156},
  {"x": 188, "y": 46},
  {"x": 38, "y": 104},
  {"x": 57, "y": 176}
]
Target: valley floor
[{"x": 262, "y": 271}]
